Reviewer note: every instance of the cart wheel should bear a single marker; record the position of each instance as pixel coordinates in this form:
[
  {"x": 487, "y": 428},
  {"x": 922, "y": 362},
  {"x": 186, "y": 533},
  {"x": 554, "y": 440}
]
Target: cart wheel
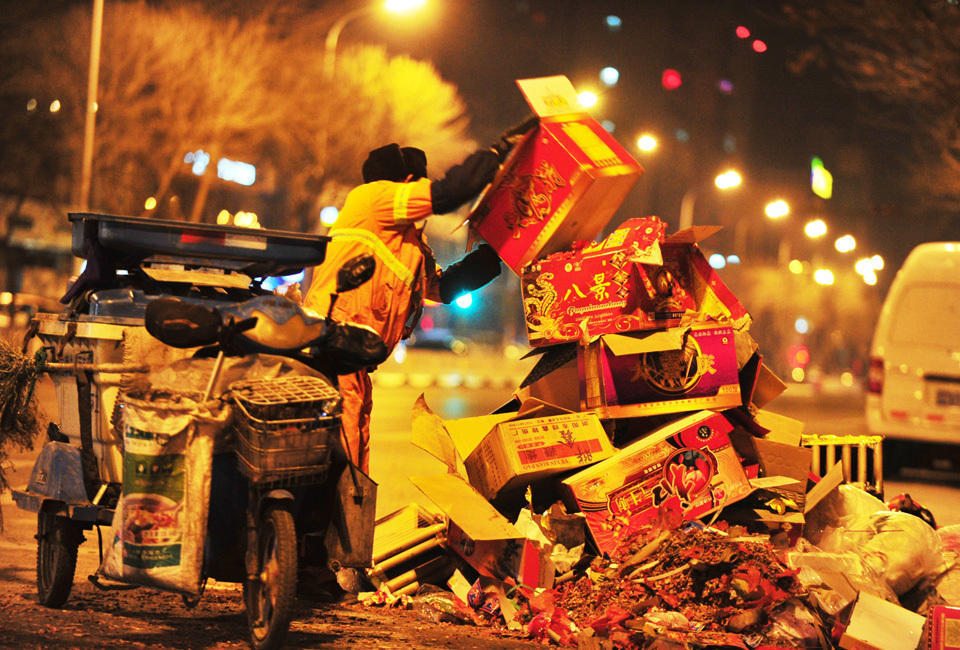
[
  {"x": 57, "y": 542},
  {"x": 270, "y": 597}
]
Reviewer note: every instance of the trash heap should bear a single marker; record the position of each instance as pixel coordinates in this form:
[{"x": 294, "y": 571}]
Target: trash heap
[{"x": 633, "y": 491}]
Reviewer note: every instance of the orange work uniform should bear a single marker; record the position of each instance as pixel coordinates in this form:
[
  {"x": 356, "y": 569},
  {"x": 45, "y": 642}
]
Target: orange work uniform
[{"x": 384, "y": 218}]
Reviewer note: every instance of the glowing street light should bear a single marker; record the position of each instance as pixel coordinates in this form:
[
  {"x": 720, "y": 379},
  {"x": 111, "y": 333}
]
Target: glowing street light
[
  {"x": 815, "y": 228},
  {"x": 823, "y": 277},
  {"x": 587, "y": 98},
  {"x": 845, "y": 244},
  {"x": 647, "y": 143},
  {"x": 777, "y": 209},
  {"x": 726, "y": 180},
  {"x": 333, "y": 36}
]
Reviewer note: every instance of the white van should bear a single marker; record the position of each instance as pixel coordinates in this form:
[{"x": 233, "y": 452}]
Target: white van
[{"x": 913, "y": 386}]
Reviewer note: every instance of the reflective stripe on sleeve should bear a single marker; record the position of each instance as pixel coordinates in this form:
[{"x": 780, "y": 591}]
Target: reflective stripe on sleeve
[
  {"x": 400, "y": 202},
  {"x": 380, "y": 250}
]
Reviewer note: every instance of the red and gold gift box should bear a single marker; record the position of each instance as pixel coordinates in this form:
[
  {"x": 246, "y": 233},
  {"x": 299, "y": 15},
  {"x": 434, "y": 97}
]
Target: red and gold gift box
[
  {"x": 600, "y": 288},
  {"x": 631, "y": 281},
  {"x": 682, "y": 471},
  {"x": 670, "y": 371},
  {"x": 561, "y": 184}
]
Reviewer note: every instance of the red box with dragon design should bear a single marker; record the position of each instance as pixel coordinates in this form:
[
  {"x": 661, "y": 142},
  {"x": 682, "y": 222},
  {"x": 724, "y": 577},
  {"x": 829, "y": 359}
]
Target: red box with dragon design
[
  {"x": 561, "y": 184},
  {"x": 682, "y": 471},
  {"x": 635, "y": 279}
]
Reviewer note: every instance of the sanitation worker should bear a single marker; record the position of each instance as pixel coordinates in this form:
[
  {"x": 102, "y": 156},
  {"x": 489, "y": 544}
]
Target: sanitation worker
[{"x": 385, "y": 216}]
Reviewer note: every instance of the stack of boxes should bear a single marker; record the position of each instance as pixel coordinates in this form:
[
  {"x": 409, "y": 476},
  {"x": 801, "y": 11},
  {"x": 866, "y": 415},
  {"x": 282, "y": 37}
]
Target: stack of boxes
[{"x": 640, "y": 341}]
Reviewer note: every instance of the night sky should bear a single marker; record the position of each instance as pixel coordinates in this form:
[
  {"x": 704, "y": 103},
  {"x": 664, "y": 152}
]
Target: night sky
[{"x": 770, "y": 124}]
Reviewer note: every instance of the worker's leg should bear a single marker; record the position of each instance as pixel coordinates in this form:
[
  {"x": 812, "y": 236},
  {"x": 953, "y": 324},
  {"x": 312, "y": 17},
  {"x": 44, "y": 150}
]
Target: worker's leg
[{"x": 356, "y": 390}]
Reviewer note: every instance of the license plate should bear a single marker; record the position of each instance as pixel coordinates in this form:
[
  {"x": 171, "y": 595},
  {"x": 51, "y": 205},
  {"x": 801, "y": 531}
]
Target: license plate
[{"x": 947, "y": 397}]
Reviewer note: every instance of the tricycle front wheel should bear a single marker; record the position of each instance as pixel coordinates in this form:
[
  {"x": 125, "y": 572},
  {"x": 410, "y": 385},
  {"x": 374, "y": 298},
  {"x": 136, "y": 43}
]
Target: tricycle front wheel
[
  {"x": 57, "y": 542},
  {"x": 270, "y": 595}
]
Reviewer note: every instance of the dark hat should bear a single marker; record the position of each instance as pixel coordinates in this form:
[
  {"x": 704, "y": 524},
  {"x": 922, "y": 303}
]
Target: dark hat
[
  {"x": 416, "y": 161},
  {"x": 385, "y": 164},
  {"x": 391, "y": 163}
]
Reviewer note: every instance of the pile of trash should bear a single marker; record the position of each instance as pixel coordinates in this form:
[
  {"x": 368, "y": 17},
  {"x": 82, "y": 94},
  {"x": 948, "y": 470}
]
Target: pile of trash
[{"x": 634, "y": 491}]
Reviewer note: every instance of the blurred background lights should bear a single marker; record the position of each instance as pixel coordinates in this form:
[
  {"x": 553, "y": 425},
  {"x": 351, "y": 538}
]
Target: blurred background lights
[
  {"x": 742, "y": 32},
  {"x": 845, "y": 244},
  {"x": 150, "y": 203},
  {"x": 613, "y": 23},
  {"x": 728, "y": 179},
  {"x": 464, "y": 301},
  {"x": 31, "y": 105},
  {"x": 587, "y": 98},
  {"x": 823, "y": 277},
  {"x": 682, "y": 135},
  {"x": 821, "y": 180},
  {"x": 870, "y": 278},
  {"x": 863, "y": 266},
  {"x": 877, "y": 262},
  {"x": 759, "y": 46},
  {"x": 401, "y": 6},
  {"x": 55, "y": 106},
  {"x": 733, "y": 259},
  {"x": 815, "y": 228},
  {"x": 609, "y": 76},
  {"x": 725, "y": 86},
  {"x": 608, "y": 126},
  {"x": 671, "y": 79},
  {"x": 223, "y": 217},
  {"x": 328, "y": 215},
  {"x": 795, "y": 267},
  {"x": 717, "y": 261},
  {"x": 236, "y": 171},
  {"x": 777, "y": 209},
  {"x": 646, "y": 143},
  {"x": 797, "y": 374},
  {"x": 801, "y": 325}
]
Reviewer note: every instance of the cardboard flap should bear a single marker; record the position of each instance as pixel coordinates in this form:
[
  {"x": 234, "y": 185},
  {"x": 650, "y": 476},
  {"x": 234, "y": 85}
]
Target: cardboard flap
[
  {"x": 467, "y": 433},
  {"x": 550, "y": 96},
  {"x": 768, "y": 386},
  {"x": 465, "y": 507},
  {"x": 533, "y": 407},
  {"x": 780, "y": 428},
  {"x": 692, "y": 235},
  {"x": 827, "y": 484},
  {"x": 621, "y": 344},
  {"x": 428, "y": 432}
]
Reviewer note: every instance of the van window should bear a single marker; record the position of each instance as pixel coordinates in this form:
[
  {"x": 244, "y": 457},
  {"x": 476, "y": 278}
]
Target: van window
[{"x": 927, "y": 314}]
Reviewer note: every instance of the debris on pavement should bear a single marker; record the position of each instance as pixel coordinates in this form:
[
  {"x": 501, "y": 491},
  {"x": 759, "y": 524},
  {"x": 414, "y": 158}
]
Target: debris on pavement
[{"x": 635, "y": 491}]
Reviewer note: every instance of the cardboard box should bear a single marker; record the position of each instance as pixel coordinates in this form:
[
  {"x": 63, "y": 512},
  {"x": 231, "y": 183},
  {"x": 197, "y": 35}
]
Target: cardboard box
[
  {"x": 518, "y": 452},
  {"x": 682, "y": 471},
  {"x": 560, "y": 185},
  {"x": 477, "y": 531},
  {"x": 615, "y": 285},
  {"x": 671, "y": 371},
  {"x": 877, "y": 624},
  {"x": 943, "y": 628},
  {"x": 479, "y": 534},
  {"x": 697, "y": 288}
]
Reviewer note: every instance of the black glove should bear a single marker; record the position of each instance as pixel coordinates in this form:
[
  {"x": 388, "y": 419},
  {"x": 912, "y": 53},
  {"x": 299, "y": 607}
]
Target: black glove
[
  {"x": 472, "y": 272},
  {"x": 509, "y": 138}
]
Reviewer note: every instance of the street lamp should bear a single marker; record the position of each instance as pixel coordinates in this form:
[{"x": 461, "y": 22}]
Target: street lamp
[
  {"x": 333, "y": 35},
  {"x": 726, "y": 180},
  {"x": 777, "y": 209}
]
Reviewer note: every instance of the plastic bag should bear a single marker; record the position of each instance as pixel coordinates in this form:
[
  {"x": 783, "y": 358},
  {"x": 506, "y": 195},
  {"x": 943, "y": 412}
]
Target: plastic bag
[
  {"x": 159, "y": 527},
  {"x": 900, "y": 547},
  {"x": 836, "y": 510},
  {"x": 948, "y": 582}
]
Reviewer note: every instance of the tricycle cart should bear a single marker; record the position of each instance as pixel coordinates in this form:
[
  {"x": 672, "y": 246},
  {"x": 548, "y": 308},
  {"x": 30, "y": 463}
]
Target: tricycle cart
[{"x": 283, "y": 497}]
